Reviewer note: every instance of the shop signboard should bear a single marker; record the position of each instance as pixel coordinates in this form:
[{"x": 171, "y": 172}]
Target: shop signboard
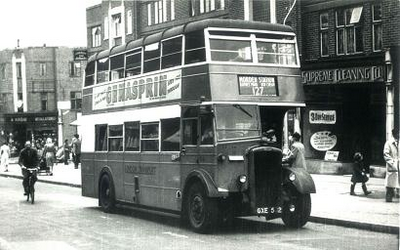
[
  {"x": 323, "y": 140},
  {"x": 322, "y": 117},
  {"x": 331, "y": 155}
]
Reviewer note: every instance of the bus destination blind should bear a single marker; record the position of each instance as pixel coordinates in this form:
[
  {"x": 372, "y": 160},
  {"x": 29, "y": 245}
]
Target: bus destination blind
[{"x": 257, "y": 85}]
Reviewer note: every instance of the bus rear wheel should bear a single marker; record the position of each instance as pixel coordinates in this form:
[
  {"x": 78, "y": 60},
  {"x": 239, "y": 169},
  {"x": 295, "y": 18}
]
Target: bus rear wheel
[
  {"x": 297, "y": 210},
  {"x": 202, "y": 211},
  {"x": 106, "y": 194}
]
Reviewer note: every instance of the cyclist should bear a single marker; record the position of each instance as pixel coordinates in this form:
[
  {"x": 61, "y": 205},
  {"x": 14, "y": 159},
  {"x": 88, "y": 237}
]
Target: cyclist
[{"x": 28, "y": 158}]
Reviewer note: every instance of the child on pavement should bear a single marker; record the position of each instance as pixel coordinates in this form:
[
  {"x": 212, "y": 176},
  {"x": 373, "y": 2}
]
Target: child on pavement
[{"x": 359, "y": 175}]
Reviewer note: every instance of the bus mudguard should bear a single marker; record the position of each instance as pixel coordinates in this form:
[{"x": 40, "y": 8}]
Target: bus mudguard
[
  {"x": 302, "y": 180},
  {"x": 206, "y": 180}
]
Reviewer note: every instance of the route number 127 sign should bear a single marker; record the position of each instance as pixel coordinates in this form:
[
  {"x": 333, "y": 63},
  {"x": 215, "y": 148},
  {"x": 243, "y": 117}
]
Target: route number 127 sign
[{"x": 257, "y": 85}]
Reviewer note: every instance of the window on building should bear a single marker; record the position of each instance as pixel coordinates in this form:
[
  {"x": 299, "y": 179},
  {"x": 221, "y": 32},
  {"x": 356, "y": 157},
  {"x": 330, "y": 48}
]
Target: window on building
[
  {"x": 324, "y": 26},
  {"x": 106, "y": 32},
  {"x": 96, "y": 36},
  {"x": 151, "y": 57},
  {"x": 150, "y": 137},
  {"x": 115, "y": 138},
  {"x": 133, "y": 63},
  {"x": 349, "y": 31},
  {"x": 100, "y": 137},
  {"x": 3, "y": 102},
  {"x": 74, "y": 69},
  {"x": 129, "y": 22},
  {"x": 19, "y": 70},
  {"x": 171, "y": 52},
  {"x": 117, "y": 66},
  {"x": 205, "y": 6},
  {"x": 170, "y": 129},
  {"x": 377, "y": 27},
  {"x": 42, "y": 69},
  {"x": 2, "y": 71},
  {"x": 43, "y": 101},
  {"x": 116, "y": 25},
  {"x": 132, "y": 136},
  {"x": 160, "y": 11},
  {"x": 76, "y": 100}
]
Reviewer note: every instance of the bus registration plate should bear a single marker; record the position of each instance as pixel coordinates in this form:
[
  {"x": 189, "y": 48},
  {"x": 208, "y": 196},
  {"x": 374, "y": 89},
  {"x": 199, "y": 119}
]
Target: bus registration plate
[{"x": 269, "y": 210}]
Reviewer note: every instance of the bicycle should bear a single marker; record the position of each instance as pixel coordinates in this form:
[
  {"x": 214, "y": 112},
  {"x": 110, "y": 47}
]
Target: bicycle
[{"x": 31, "y": 184}]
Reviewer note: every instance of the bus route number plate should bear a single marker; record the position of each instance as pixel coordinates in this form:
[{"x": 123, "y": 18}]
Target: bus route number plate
[{"x": 257, "y": 85}]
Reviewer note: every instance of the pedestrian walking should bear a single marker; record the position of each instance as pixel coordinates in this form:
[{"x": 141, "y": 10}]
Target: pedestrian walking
[
  {"x": 67, "y": 151},
  {"x": 390, "y": 154},
  {"x": 49, "y": 152},
  {"x": 359, "y": 174},
  {"x": 28, "y": 158},
  {"x": 76, "y": 150},
  {"x": 295, "y": 155},
  {"x": 4, "y": 156}
]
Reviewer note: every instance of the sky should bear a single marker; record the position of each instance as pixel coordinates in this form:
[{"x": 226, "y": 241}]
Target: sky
[{"x": 38, "y": 22}]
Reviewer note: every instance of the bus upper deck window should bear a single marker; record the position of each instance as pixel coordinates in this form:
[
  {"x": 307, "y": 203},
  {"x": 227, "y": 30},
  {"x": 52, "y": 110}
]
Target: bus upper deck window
[
  {"x": 89, "y": 79},
  {"x": 117, "y": 67},
  {"x": 276, "y": 53},
  {"x": 151, "y": 57},
  {"x": 230, "y": 50},
  {"x": 102, "y": 70},
  {"x": 133, "y": 63},
  {"x": 172, "y": 53},
  {"x": 195, "y": 50}
]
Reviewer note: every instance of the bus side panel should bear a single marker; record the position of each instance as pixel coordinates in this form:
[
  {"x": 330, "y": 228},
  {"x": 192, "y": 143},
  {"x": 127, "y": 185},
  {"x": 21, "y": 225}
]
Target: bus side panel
[
  {"x": 170, "y": 180},
  {"x": 131, "y": 166},
  {"x": 89, "y": 186},
  {"x": 115, "y": 162}
]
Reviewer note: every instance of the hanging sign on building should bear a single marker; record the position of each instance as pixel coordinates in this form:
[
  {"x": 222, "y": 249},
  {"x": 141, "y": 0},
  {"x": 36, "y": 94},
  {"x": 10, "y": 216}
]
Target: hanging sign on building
[
  {"x": 323, "y": 140},
  {"x": 344, "y": 75},
  {"x": 80, "y": 55},
  {"x": 322, "y": 116},
  {"x": 143, "y": 90}
]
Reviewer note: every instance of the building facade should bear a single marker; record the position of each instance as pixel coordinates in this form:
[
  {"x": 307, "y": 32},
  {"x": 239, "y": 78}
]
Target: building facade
[
  {"x": 348, "y": 53},
  {"x": 40, "y": 92}
]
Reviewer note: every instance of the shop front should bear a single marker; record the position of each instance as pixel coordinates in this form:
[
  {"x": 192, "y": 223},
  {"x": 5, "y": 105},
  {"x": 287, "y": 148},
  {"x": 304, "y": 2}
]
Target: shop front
[
  {"x": 345, "y": 114},
  {"x": 31, "y": 126}
]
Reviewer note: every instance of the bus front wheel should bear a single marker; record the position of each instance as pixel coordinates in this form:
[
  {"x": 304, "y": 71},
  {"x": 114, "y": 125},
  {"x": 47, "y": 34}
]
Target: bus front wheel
[
  {"x": 297, "y": 210},
  {"x": 106, "y": 194},
  {"x": 202, "y": 211}
]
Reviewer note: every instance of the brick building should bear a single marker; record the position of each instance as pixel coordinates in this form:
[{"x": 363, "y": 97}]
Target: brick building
[
  {"x": 348, "y": 54},
  {"x": 40, "y": 92},
  {"x": 348, "y": 49}
]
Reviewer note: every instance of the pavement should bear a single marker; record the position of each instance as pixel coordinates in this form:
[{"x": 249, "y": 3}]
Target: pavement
[{"x": 331, "y": 204}]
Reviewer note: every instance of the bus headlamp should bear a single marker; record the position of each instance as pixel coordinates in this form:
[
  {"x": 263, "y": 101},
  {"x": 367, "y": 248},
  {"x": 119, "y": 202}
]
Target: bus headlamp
[
  {"x": 221, "y": 157},
  {"x": 242, "y": 179},
  {"x": 292, "y": 177}
]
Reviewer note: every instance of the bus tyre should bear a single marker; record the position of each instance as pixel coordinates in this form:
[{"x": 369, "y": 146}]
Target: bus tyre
[
  {"x": 296, "y": 211},
  {"x": 106, "y": 194},
  {"x": 202, "y": 211}
]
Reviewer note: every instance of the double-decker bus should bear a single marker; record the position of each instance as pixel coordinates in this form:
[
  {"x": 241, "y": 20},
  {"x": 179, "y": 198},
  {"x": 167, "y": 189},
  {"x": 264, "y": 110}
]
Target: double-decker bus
[{"x": 174, "y": 122}]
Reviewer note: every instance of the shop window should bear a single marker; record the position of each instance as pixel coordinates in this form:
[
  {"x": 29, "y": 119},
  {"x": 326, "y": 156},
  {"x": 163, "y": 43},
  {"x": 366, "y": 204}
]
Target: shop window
[
  {"x": 96, "y": 36},
  {"x": 377, "y": 27},
  {"x": 74, "y": 69},
  {"x": 76, "y": 100},
  {"x": 101, "y": 137},
  {"x": 115, "y": 139},
  {"x": 150, "y": 137},
  {"x": 132, "y": 136},
  {"x": 172, "y": 53},
  {"x": 170, "y": 134},
  {"x": 349, "y": 31},
  {"x": 323, "y": 18}
]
